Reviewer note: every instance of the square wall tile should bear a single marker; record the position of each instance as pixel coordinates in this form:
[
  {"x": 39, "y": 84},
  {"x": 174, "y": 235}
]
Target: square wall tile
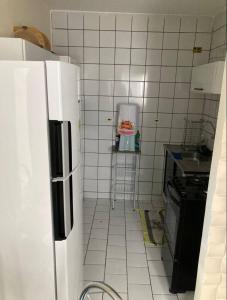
[
  {"x": 204, "y": 24},
  {"x": 75, "y": 37},
  {"x": 155, "y": 40},
  {"x": 59, "y": 37},
  {"x": 139, "y": 39},
  {"x": 91, "y": 21},
  {"x": 107, "y": 55},
  {"x": 91, "y": 38},
  {"x": 172, "y": 24},
  {"x": 203, "y": 40},
  {"x": 91, "y": 55},
  {"x": 154, "y": 57},
  {"x": 139, "y": 22},
  {"x": 123, "y": 39},
  {"x": 123, "y": 22},
  {"x": 169, "y": 57},
  {"x": 107, "y": 72},
  {"x": 107, "y": 38},
  {"x": 187, "y": 41},
  {"x": 156, "y": 23},
  {"x": 137, "y": 73},
  {"x": 168, "y": 74},
  {"x": 122, "y": 56},
  {"x": 121, "y": 72},
  {"x": 188, "y": 24},
  {"x": 170, "y": 41},
  {"x": 107, "y": 21},
  {"x": 75, "y": 20},
  {"x": 59, "y": 19},
  {"x": 138, "y": 57}
]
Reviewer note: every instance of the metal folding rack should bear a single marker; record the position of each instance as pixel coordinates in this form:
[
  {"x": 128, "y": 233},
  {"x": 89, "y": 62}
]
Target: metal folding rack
[{"x": 124, "y": 179}]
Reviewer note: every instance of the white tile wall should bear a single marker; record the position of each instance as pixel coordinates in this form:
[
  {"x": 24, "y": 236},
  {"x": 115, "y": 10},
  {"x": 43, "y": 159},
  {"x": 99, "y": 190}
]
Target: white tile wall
[{"x": 143, "y": 59}]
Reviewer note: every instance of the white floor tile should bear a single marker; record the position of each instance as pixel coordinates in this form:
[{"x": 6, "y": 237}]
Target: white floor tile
[
  {"x": 165, "y": 297},
  {"x": 118, "y": 282},
  {"x": 117, "y": 221},
  {"x": 96, "y": 244},
  {"x": 134, "y": 235},
  {"x": 95, "y": 258},
  {"x": 116, "y": 266},
  {"x": 123, "y": 296},
  {"x": 97, "y": 296},
  {"x": 116, "y": 252},
  {"x": 86, "y": 228},
  {"x": 186, "y": 296},
  {"x": 137, "y": 292},
  {"x": 138, "y": 275},
  {"x": 99, "y": 233},
  {"x": 93, "y": 272},
  {"x": 135, "y": 247},
  {"x": 117, "y": 213},
  {"x": 160, "y": 285},
  {"x": 133, "y": 226},
  {"x": 156, "y": 268},
  {"x": 136, "y": 260},
  {"x": 117, "y": 230},
  {"x": 102, "y": 208},
  {"x": 100, "y": 215},
  {"x": 102, "y": 224},
  {"x": 153, "y": 253},
  {"x": 116, "y": 240}
]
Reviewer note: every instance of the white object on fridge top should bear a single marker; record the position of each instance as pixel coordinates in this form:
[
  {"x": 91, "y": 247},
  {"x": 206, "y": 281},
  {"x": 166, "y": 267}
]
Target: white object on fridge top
[{"x": 19, "y": 49}]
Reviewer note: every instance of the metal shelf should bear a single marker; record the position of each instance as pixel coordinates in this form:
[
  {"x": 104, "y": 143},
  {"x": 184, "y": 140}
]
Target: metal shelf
[{"x": 124, "y": 174}]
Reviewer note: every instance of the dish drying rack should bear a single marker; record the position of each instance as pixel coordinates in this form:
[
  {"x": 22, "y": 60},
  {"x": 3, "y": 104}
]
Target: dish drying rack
[
  {"x": 193, "y": 132},
  {"x": 124, "y": 179}
]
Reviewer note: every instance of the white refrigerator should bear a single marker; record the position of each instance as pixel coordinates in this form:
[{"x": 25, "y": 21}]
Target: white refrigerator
[{"x": 40, "y": 202}]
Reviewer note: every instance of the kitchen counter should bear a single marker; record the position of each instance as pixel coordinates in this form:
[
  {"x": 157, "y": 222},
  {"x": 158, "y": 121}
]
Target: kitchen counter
[{"x": 189, "y": 166}]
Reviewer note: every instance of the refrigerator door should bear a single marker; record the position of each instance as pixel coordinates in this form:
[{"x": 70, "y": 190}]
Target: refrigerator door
[
  {"x": 27, "y": 258},
  {"x": 69, "y": 257},
  {"x": 63, "y": 91}
]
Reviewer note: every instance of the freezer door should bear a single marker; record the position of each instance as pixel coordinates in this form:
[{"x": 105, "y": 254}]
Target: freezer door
[
  {"x": 27, "y": 260},
  {"x": 63, "y": 91},
  {"x": 69, "y": 257}
]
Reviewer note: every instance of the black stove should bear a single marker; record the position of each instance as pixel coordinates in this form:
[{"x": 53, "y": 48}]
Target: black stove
[{"x": 184, "y": 213}]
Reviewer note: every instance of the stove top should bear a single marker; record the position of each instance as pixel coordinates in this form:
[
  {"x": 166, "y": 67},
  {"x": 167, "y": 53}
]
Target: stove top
[{"x": 191, "y": 186}]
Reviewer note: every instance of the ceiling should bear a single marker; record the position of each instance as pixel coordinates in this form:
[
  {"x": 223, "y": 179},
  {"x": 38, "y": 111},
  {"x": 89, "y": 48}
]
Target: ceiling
[{"x": 187, "y": 7}]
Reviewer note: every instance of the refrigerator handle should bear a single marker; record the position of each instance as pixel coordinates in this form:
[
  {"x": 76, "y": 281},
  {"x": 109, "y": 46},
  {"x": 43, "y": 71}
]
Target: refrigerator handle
[
  {"x": 58, "y": 211},
  {"x": 70, "y": 146},
  {"x": 62, "y": 208},
  {"x": 55, "y": 131},
  {"x": 71, "y": 201}
]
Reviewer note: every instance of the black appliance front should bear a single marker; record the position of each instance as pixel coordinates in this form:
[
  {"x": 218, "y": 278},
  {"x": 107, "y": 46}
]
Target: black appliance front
[{"x": 183, "y": 230}]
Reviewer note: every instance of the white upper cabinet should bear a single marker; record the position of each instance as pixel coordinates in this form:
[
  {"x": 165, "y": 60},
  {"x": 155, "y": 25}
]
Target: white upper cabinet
[{"x": 208, "y": 78}]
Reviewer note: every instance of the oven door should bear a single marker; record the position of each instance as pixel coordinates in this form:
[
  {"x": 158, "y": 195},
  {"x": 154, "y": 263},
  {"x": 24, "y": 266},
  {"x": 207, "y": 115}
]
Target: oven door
[
  {"x": 171, "y": 225},
  {"x": 172, "y": 216}
]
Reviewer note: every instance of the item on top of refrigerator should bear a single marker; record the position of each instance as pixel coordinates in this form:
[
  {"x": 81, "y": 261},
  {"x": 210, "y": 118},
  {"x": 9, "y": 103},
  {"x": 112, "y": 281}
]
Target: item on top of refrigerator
[{"x": 32, "y": 35}]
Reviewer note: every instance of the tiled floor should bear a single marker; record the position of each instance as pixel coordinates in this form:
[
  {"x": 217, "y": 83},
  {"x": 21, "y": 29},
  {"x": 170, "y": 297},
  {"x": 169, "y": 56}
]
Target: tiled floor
[{"x": 116, "y": 253}]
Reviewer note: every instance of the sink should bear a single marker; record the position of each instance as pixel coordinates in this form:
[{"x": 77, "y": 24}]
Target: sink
[{"x": 193, "y": 156}]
